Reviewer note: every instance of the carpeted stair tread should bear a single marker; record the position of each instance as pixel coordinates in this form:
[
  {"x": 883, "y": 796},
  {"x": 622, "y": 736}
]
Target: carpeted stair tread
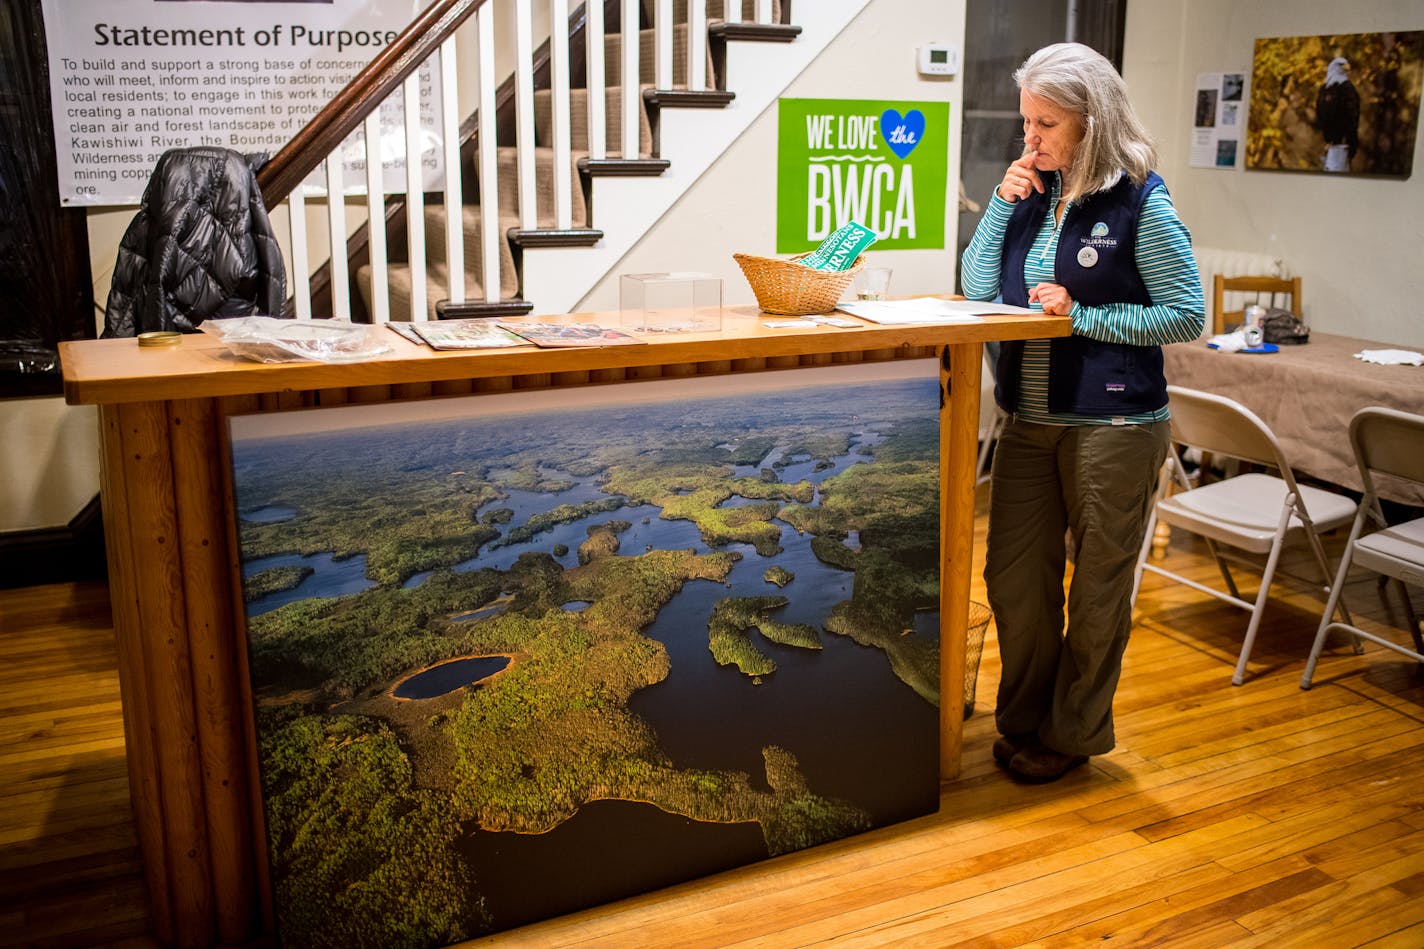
[
  {"x": 647, "y": 58},
  {"x": 437, "y": 278},
  {"x": 474, "y": 246},
  {"x": 578, "y": 121},
  {"x": 508, "y": 156},
  {"x": 716, "y": 10}
]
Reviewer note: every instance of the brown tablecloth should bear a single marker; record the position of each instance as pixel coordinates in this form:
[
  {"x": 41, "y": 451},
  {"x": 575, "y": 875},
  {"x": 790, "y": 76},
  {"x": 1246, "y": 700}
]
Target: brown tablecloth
[{"x": 1307, "y": 394}]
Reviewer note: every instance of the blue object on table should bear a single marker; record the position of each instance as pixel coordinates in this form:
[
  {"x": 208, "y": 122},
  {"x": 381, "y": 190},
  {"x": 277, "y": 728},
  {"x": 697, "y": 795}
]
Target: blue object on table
[{"x": 1253, "y": 350}]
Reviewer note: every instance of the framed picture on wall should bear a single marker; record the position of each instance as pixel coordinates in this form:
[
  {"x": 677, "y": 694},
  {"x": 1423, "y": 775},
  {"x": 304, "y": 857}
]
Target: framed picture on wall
[{"x": 1336, "y": 104}]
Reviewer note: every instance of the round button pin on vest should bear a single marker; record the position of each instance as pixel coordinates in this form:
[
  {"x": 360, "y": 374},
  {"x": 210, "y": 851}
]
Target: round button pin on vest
[{"x": 1087, "y": 257}]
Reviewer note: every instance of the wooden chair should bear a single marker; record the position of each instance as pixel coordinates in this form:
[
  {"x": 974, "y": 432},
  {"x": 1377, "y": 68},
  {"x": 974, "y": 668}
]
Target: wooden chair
[{"x": 1283, "y": 292}]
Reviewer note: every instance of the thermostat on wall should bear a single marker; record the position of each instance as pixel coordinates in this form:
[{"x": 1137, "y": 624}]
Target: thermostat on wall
[{"x": 938, "y": 59}]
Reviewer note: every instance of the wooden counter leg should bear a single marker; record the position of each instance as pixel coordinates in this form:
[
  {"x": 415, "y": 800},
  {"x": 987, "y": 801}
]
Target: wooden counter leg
[
  {"x": 224, "y": 409},
  {"x": 959, "y": 432},
  {"x": 203, "y": 539},
  {"x": 139, "y": 739},
  {"x": 152, "y": 528}
]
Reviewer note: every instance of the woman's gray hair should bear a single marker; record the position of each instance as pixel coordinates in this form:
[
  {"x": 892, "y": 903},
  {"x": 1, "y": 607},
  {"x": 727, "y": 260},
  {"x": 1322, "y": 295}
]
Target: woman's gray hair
[{"x": 1081, "y": 81}]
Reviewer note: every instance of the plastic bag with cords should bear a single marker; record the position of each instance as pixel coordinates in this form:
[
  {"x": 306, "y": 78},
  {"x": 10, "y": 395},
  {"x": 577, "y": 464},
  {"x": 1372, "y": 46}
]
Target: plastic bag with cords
[{"x": 269, "y": 339}]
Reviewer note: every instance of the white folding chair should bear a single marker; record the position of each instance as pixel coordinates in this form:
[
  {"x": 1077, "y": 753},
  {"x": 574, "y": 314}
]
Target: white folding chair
[
  {"x": 1255, "y": 512},
  {"x": 1390, "y": 443}
]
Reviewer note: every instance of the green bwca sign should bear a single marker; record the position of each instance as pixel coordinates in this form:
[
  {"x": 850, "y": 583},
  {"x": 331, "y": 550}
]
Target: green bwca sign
[{"x": 883, "y": 164}]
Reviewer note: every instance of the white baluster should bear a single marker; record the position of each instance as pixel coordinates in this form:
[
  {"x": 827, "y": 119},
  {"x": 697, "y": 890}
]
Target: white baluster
[
  {"x": 336, "y": 230},
  {"x": 662, "y": 43},
  {"x": 301, "y": 264},
  {"x": 559, "y": 85},
  {"x": 763, "y": 11},
  {"x": 376, "y": 221},
  {"x": 450, "y": 133},
  {"x": 696, "y": 45},
  {"x": 631, "y": 93},
  {"x": 414, "y": 197},
  {"x": 488, "y": 156},
  {"x": 732, "y": 11},
  {"x": 596, "y": 81},
  {"x": 523, "y": 115}
]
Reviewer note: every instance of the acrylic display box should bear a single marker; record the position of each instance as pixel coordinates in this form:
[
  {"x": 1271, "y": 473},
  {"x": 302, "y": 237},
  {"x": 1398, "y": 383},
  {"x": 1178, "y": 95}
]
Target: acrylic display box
[{"x": 682, "y": 302}]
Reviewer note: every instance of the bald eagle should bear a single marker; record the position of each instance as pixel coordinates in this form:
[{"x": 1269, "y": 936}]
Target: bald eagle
[{"x": 1337, "y": 110}]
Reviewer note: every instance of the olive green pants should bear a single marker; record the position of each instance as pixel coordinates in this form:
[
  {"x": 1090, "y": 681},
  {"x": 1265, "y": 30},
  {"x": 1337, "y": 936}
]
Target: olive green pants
[{"x": 1091, "y": 485}]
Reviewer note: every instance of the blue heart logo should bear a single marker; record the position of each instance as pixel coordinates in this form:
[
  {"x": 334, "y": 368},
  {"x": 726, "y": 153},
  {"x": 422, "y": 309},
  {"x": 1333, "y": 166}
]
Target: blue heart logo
[{"x": 902, "y": 134}]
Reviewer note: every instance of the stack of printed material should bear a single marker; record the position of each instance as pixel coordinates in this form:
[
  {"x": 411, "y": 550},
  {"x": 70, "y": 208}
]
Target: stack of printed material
[
  {"x": 557, "y": 335},
  {"x": 928, "y": 310}
]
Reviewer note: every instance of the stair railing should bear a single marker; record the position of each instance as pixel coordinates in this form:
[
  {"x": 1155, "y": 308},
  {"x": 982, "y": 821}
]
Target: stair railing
[{"x": 395, "y": 70}]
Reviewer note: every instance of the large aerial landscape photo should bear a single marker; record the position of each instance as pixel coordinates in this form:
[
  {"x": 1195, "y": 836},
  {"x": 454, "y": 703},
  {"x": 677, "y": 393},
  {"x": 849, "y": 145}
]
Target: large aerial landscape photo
[{"x": 518, "y": 654}]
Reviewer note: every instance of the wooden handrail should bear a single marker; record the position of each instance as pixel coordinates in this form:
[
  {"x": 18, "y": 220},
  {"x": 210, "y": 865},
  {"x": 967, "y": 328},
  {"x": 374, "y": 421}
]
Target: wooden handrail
[{"x": 362, "y": 96}]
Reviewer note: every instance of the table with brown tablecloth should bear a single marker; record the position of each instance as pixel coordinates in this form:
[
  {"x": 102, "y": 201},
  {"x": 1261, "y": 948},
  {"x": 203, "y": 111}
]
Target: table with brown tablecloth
[{"x": 1307, "y": 395}]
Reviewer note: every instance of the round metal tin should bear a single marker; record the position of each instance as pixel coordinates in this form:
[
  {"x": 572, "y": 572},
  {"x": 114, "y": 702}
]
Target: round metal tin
[{"x": 161, "y": 338}]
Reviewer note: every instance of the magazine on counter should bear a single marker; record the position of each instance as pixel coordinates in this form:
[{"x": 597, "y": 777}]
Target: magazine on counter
[
  {"x": 466, "y": 334},
  {"x": 402, "y": 328},
  {"x": 555, "y": 335}
]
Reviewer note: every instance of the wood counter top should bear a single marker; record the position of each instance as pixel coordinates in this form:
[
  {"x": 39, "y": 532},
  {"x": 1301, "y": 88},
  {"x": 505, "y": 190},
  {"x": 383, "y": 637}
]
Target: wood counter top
[{"x": 111, "y": 371}]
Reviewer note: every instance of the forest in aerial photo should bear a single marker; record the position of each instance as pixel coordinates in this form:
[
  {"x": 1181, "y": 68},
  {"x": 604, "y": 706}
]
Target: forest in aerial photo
[{"x": 518, "y": 654}]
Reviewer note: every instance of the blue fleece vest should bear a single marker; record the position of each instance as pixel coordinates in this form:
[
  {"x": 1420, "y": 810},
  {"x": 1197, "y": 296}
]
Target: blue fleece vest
[{"x": 1086, "y": 376}]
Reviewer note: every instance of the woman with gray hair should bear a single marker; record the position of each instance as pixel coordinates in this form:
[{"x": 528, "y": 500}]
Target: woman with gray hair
[{"x": 1079, "y": 227}]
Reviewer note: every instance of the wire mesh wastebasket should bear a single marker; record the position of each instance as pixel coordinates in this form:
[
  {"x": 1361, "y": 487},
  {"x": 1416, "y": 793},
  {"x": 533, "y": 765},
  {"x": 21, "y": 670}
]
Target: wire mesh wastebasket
[{"x": 979, "y": 616}]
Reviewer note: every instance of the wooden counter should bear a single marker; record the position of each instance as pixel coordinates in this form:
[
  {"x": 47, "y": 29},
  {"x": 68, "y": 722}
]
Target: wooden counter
[{"x": 173, "y": 558}]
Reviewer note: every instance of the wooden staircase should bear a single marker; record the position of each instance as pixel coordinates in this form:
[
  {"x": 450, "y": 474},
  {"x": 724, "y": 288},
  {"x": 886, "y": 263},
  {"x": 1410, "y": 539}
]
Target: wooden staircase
[{"x": 516, "y": 240}]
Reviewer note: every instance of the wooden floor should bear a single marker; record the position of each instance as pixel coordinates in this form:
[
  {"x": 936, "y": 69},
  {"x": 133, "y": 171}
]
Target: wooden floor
[{"x": 1259, "y": 815}]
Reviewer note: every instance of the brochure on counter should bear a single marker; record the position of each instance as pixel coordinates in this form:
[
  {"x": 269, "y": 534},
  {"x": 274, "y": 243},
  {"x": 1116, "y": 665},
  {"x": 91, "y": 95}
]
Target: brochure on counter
[
  {"x": 928, "y": 310},
  {"x": 556, "y": 335},
  {"x": 465, "y": 334}
]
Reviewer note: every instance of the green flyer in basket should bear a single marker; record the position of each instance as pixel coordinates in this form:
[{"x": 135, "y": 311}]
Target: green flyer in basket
[
  {"x": 882, "y": 163},
  {"x": 839, "y": 251}
]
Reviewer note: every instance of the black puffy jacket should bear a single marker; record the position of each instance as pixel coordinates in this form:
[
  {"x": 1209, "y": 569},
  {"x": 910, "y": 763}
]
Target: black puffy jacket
[{"x": 200, "y": 246}]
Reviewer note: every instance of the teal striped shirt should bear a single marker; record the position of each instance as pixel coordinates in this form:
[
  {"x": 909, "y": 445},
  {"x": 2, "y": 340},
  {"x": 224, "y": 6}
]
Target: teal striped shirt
[{"x": 1177, "y": 313}]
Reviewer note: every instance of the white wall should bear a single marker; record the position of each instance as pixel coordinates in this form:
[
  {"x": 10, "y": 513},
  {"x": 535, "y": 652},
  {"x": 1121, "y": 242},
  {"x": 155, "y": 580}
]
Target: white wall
[
  {"x": 732, "y": 208},
  {"x": 51, "y": 462},
  {"x": 1355, "y": 240}
]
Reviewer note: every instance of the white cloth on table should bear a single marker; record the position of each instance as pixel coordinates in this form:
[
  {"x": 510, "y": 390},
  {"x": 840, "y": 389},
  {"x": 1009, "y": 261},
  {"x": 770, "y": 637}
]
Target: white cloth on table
[
  {"x": 1228, "y": 342},
  {"x": 1391, "y": 357}
]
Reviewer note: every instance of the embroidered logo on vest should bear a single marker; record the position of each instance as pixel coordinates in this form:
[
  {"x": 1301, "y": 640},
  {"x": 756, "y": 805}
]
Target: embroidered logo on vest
[{"x": 1097, "y": 237}]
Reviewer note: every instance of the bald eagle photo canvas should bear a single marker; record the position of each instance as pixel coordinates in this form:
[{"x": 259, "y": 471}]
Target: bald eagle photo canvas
[{"x": 1337, "y": 104}]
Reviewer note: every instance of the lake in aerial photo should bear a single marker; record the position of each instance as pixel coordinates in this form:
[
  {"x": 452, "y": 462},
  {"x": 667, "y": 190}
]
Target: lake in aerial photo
[{"x": 518, "y": 654}]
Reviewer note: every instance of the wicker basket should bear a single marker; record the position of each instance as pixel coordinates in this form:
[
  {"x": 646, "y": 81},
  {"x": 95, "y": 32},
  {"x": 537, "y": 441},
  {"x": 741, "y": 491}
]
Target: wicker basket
[{"x": 788, "y": 288}]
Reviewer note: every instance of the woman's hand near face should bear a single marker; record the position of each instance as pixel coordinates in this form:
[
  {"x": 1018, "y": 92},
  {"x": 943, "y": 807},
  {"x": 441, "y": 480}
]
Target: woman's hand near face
[{"x": 1020, "y": 180}]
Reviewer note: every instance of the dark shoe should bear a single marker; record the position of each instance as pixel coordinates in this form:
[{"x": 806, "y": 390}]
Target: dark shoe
[
  {"x": 1009, "y": 745},
  {"x": 1039, "y": 764}
]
